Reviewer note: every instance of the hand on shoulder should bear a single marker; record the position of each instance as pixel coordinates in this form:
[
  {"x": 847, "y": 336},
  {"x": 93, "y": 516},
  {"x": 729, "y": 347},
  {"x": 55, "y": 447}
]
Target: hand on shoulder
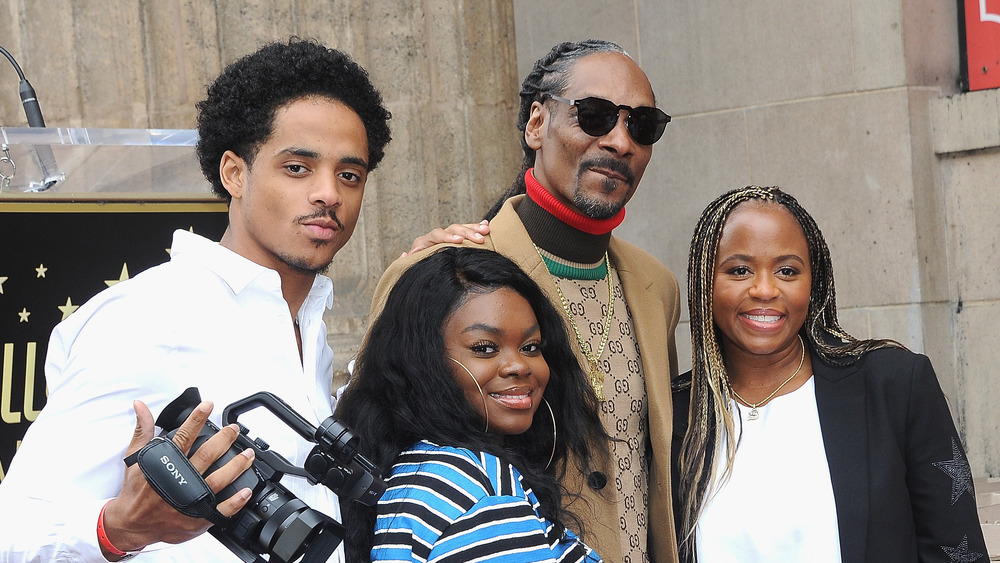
[{"x": 454, "y": 233}]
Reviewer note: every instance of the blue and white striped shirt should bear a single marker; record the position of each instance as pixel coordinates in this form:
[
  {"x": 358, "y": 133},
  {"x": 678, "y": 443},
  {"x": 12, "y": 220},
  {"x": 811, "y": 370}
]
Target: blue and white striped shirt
[{"x": 453, "y": 505}]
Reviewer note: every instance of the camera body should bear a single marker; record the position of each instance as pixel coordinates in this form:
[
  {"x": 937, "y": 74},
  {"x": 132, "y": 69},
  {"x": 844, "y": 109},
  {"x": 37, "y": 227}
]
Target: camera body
[{"x": 274, "y": 521}]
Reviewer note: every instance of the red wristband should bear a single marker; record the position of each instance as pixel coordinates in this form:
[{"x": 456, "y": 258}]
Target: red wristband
[{"x": 102, "y": 536}]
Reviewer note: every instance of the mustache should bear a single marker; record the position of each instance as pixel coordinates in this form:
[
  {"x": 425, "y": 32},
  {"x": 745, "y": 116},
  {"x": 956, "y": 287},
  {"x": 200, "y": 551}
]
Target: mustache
[
  {"x": 321, "y": 215},
  {"x": 611, "y": 164}
]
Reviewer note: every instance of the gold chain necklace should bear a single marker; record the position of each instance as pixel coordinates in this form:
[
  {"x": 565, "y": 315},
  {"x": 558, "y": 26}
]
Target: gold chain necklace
[
  {"x": 596, "y": 374},
  {"x": 753, "y": 407}
]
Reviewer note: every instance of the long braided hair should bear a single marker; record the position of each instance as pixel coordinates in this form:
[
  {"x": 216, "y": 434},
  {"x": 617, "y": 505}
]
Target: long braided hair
[
  {"x": 549, "y": 76},
  {"x": 711, "y": 419}
]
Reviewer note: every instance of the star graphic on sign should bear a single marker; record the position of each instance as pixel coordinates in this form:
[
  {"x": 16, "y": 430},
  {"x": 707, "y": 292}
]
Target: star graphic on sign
[
  {"x": 190, "y": 229},
  {"x": 24, "y": 314},
  {"x": 961, "y": 554},
  {"x": 41, "y": 269},
  {"x": 121, "y": 278},
  {"x": 2, "y": 279},
  {"x": 68, "y": 308},
  {"x": 959, "y": 471}
]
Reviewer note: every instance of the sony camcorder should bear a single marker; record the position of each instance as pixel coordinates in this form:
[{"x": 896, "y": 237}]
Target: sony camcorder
[{"x": 274, "y": 521}]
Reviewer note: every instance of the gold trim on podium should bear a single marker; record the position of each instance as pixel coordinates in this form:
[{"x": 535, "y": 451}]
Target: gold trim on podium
[{"x": 50, "y": 206}]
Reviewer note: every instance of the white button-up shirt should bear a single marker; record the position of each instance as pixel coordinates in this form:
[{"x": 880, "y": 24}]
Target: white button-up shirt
[{"x": 209, "y": 319}]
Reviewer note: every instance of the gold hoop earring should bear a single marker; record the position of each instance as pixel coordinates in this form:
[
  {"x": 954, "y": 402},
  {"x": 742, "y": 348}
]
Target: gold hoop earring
[
  {"x": 486, "y": 410},
  {"x": 553, "y": 415}
]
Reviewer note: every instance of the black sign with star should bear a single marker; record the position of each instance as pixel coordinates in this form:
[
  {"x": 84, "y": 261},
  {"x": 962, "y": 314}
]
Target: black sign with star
[{"x": 53, "y": 258}]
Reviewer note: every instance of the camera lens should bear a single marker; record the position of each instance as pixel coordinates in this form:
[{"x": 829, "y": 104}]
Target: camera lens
[{"x": 278, "y": 523}]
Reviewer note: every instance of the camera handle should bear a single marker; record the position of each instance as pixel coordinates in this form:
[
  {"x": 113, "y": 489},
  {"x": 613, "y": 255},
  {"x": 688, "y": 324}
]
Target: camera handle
[
  {"x": 334, "y": 462},
  {"x": 277, "y": 407},
  {"x": 357, "y": 479}
]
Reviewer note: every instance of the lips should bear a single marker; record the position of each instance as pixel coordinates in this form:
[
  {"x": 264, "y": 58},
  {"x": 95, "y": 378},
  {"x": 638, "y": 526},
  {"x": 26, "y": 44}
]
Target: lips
[
  {"x": 518, "y": 398},
  {"x": 763, "y": 319},
  {"x": 609, "y": 174},
  {"x": 321, "y": 229}
]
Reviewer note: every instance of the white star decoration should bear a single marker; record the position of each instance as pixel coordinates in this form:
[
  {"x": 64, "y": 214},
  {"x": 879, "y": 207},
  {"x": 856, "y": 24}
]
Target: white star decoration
[
  {"x": 191, "y": 229},
  {"x": 68, "y": 308},
  {"x": 121, "y": 278},
  {"x": 961, "y": 554},
  {"x": 24, "y": 315},
  {"x": 40, "y": 271},
  {"x": 2, "y": 279},
  {"x": 958, "y": 469}
]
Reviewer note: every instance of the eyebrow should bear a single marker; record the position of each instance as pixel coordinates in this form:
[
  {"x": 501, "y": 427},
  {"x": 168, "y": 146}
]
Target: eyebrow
[
  {"x": 585, "y": 96},
  {"x": 748, "y": 258},
  {"x": 296, "y": 151},
  {"x": 309, "y": 153},
  {"x": 496, "y": 330},
  {"x": 357, "y": 160}
]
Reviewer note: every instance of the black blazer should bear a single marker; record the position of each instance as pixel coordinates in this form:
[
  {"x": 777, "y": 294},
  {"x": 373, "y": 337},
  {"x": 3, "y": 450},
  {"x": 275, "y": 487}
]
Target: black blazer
[{"x": 901, "y": 481}]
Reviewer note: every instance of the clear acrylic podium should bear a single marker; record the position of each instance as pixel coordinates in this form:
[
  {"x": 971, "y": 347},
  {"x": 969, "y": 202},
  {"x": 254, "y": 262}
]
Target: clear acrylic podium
[{"x": 77, "y": 164}]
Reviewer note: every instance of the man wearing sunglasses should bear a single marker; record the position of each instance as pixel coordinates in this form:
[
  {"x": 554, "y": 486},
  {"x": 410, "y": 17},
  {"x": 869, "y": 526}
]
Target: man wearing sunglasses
[{"x": 589, "y": 122}]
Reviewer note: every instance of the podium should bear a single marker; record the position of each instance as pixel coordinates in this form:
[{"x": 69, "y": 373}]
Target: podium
[{"x": 82, "y": 210}]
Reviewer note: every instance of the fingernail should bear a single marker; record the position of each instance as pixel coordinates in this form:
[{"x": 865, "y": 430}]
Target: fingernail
[
  {"x": 247, "y": 453},
  {"x": 245, "y": 494},
  {"x": 205, "y": 406}
]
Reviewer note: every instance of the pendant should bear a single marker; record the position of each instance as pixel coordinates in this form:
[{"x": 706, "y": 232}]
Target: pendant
[
  {"x": 597, "y": 381},
  {"x": 754, "y": 415}
]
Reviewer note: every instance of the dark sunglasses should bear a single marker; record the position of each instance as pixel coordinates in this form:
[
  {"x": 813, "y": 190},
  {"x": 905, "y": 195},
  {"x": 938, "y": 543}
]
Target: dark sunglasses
[{"x": 597, "y": 117}]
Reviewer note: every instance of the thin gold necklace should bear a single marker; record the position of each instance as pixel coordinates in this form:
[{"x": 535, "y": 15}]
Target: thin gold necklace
[
  {"x": 596, "y": 374},
  {"x": 753, "y": 406}
]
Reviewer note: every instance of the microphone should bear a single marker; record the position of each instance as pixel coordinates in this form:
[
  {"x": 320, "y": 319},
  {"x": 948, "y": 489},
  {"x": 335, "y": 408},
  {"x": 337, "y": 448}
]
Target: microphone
[{"x": 46, "y": 160}]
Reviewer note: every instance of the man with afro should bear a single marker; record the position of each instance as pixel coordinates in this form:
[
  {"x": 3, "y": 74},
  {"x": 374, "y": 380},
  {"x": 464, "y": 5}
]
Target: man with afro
[{"x": 287, "y": 136}]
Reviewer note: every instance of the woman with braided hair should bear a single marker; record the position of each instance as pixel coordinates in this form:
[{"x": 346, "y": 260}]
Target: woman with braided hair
[{"x": 804, "y": 443}]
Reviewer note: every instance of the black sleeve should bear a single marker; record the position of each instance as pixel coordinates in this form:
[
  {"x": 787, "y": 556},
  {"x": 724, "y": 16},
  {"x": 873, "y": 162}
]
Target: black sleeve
[{"x": 938, "y": 476}]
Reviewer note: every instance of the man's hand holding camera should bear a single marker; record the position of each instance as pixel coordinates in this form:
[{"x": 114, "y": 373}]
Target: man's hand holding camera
[{"x": 139, "y": 516}]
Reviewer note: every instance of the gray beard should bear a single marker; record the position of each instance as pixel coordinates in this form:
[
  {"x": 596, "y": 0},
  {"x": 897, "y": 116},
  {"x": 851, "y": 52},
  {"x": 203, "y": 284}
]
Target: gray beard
[{"x": 597, "y": 209}]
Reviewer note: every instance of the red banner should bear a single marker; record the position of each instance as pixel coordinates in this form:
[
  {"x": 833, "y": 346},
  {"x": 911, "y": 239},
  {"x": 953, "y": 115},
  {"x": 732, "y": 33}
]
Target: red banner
[{"x": 982, "y": 43}]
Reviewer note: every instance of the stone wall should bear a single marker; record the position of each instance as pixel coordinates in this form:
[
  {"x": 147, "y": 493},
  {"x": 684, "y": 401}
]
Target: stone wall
[
  {"x": 446, "y": 70},
  {"x": 833, "y": 102}
]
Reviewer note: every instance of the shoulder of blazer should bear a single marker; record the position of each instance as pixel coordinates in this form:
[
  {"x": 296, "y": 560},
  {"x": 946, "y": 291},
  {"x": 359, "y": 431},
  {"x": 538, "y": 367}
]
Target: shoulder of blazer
[
  {"x": 509, "y": 237},
  {"x": 643, "y": 270},
  {"x": 629, "y": 256},
  {"x": 885, "y": 366}
]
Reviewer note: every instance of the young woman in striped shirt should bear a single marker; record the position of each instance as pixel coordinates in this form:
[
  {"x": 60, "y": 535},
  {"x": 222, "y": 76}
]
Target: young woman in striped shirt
[{"x": 467, "y": 394}]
